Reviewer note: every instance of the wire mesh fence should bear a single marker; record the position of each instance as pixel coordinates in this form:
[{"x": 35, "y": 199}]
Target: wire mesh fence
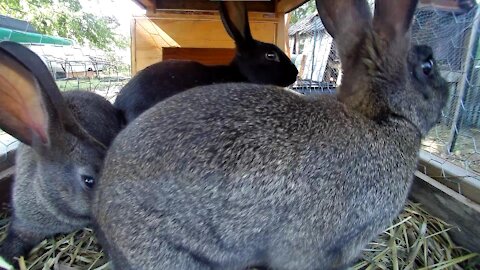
[
  {"x": 453, "y": 35},
  {"x": 73, "y": 68}
]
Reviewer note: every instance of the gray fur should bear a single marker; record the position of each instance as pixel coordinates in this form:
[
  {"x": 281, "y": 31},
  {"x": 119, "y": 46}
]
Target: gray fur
[
  {"x": 230, "y": 176},
  {"x": 49, "y": 195}
]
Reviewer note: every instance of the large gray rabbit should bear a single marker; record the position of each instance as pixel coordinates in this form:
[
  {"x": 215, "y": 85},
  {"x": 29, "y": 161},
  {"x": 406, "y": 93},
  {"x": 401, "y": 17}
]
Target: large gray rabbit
[
  {"x": 237, "y": 175},
  {"x": 254, "y": 61},
  {"x": 64, "y": 139}
]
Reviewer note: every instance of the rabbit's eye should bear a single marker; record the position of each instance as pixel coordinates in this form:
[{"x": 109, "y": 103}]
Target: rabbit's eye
[
  {"x": 427, "y": 67},
  {"x": 88, "y": 180},
  {"x": 272, "y": 56}
]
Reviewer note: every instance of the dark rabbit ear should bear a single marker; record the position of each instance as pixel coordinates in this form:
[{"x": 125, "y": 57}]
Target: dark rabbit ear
[
  {"x": 392, "y": 19},
  {"x": 38, "y": 98},
  {"x": 234, "y": 16},
  {"x": 22, "y": 110},
  {"x": 347, "y": 22}
]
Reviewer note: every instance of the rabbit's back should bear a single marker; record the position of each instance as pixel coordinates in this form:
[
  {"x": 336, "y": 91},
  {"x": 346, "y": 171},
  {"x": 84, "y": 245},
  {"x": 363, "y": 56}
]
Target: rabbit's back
[
  {"x": 164, "y": 79},
  {"x": 252, "y": 174}
]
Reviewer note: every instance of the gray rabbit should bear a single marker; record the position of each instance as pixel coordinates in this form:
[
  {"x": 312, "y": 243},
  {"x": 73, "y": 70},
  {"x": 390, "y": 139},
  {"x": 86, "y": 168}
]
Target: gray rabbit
[
  {"x": 254, "y": 61},
  {"x": 236, "y": 175},
  {"x": 63, "y": 141}
]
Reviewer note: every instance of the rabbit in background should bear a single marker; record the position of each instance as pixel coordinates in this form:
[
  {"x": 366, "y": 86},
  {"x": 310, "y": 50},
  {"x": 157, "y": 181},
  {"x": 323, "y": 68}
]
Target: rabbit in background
[
  {"x": 230, "y": 176},
  {"x": 254, "y": 61},
  {"x": 64, "y": 138}
]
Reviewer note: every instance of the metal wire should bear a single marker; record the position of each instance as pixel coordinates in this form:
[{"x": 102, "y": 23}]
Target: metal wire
[
  {"x": 453, "y": 36},
  {"x": 74, "y": 68}
]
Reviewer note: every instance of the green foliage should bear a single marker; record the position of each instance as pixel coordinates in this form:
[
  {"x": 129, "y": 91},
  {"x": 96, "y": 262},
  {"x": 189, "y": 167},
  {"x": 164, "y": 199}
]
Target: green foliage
[
  {"x": 66, "y": 18},
  {"x": 302, "y": 11}
]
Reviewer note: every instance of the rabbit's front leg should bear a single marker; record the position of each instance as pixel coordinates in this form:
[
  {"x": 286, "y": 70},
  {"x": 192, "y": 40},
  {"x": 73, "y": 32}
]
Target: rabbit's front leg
[{"x": 19, "y": 240}]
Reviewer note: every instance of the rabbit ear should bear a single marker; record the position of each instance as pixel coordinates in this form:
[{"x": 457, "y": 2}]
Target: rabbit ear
[
  {"x": 392, "y": 19},
  {"x": 22, "y": 110},
  {"x": 35, "y": 109},
  {"x": 346, "y": 21},
  {"x": 234, "y": 16}
]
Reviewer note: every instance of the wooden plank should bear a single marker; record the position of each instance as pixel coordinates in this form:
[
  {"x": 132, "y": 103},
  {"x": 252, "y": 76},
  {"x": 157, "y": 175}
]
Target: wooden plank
[
  {"x": 259, "y": 6},
  {"x": 451, "y": 207},
  {"x": 281, "y": 34},
  {"x": 285, "y": 6},
  {"x": 6, "y": 181},
  {"x": 133, "y": 47},
  {"x": 202, "y": 33},
  {"x": 446, "y": 5},
  {"x": 450, "y": 175},
  {"x": 206, "y": 56},
  {"x": 7, "y": 160},
  {"x": 146, "y": 4},
  {"x": 168, "y": 29}
]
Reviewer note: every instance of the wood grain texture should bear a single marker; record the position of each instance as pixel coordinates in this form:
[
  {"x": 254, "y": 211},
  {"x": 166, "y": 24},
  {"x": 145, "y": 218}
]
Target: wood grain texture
[
  {"x": 152, "y": 34},
  {"x": 450, "y": 175},
  {"x": 206, "y": 56},
  {"x": 453, "y": 208},
  {"x": 260, "y": 6},
  {"x": 6, "y": 181}
]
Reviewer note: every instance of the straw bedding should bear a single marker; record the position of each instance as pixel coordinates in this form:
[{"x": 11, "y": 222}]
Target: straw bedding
[{"x": 416, "y": 240}]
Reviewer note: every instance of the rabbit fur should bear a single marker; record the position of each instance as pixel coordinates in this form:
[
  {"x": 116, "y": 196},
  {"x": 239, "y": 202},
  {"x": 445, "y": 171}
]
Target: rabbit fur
[
  {"x": 64, "y": 138},
  {"x": 254, "y": 61},
  {"x": 230, "y": 176}
]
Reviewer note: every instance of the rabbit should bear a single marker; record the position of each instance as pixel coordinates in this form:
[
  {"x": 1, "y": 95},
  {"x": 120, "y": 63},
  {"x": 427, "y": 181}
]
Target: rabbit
[
  {"x": 234, "y": 175},
  {"x": 254, "y": 61},
  {"x": 64, "y": 138}
]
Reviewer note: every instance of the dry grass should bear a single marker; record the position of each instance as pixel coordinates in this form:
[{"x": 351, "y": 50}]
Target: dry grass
[{"x": 417, "y": 240}]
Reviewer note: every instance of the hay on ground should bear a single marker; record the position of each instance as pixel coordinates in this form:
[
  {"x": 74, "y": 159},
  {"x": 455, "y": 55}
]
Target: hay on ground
[{"x": 416, "y": 240}]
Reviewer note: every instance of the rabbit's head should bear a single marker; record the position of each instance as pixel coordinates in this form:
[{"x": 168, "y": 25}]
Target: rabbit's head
[
  {"x": 383, "y": 73},
  {"x": 259, "y": 62},
  {"x": 60, "y": 152}
]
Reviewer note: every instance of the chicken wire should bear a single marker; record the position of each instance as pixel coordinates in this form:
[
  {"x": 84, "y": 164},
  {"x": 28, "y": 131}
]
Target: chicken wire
[
  {"x": 73, "y": 68},
  {"x": 453, "y": 36}
]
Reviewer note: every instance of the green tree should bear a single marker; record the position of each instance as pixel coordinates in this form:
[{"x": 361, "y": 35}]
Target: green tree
[
  {"x": 302, "y": 11},
  {"x": 66, "y": 18}
]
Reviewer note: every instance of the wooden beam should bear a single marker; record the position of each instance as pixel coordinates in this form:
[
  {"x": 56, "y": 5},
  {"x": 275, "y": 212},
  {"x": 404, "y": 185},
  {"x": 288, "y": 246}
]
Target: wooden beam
[
  {"x": 451, "y": 207},
  {"x": 285, "y": 6},
  {"x": 6, "y": 181},
  {"x": 206, "y": 56},
  {"x": 256, "y": 6},
  {"x": 7, "y": 160},
  {"x": 450, "y": 175},
  {"x": 447, "y": 5},
  {"x": 149, "y": 5}
]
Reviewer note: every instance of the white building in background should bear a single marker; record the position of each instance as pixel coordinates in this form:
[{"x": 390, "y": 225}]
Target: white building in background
[{"x": 313, "y": 51}]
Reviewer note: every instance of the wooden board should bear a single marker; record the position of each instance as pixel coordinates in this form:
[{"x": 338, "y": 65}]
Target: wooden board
[
  {"x": 259, "y": 6},
  {"x": 147, "y": 4},
  {"x": 8, "y": 160},
  {"x": 151, "y": 34},
  {"x": 453, "y": 208},
  {"x": 206, "y": 56},
  {"x": 279, "y": 6},
  {"x": 6, "y": 181},
  {"x": 450, "y": 175},
  {"x": 447, "y": 5}
]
